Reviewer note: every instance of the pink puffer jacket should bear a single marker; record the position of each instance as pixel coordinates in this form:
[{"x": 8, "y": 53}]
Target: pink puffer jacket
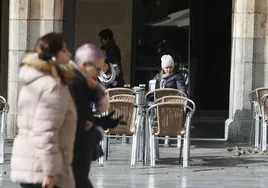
[{"x": 46, "y": 128}]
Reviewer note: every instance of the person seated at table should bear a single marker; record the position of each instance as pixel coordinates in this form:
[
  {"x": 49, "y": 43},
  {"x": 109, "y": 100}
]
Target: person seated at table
[
  {"x": 109, "y": 77},
  {"x": 169, "y": 77}
]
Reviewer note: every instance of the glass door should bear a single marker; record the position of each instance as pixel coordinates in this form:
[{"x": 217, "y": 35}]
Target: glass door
[{"x": 159, "y": 27}]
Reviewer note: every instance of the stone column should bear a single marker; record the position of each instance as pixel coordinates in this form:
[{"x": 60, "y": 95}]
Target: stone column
[
  {"x": 249, "y": 66},
  {"x": 28, "y": 20}
]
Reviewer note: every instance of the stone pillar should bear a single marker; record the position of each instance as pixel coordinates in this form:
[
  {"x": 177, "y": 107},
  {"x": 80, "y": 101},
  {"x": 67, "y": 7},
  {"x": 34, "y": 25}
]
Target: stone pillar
[
  {"x": 249, "y": 66},
  {"x": 28, "y": 20}
]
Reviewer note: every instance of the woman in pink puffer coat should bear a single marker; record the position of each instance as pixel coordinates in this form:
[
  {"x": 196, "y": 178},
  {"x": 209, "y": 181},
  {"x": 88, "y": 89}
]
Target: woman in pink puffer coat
[{"x": 43, "y": 149}]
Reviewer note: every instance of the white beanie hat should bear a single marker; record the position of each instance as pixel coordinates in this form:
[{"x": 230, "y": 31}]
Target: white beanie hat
[{"x": 167, "y": 61}]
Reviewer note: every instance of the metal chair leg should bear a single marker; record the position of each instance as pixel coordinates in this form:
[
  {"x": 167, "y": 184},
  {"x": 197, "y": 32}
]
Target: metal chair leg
[
  {"x": 134, "y": 149},
  {"x": 152, "y": 150},
  {"x": 186, "y": 148},
  {"x": 166, "y": 144},
  {"x": 2, "y": 136},
  {"x": 124, "y": 139},
  {"x": 182, "y": 143},
  {"x": 107, "y": 148},
  {"x": 2, "y": 144},
  {"x": 255, "y": 127},
  {"x": 142, "y": 144},
  {"x": 257, "y": 132},
  {"x": 147, "y": 142},
  {"x": 263, "y": 131},
  {"x": 179, "y": 141},
  {"x": 138, "y": 153},
  {"x": 264, "y": 137},
  {"x": 157, "y": 153},
  {"x": 101, "y": 162},
  {"x": 185, "y": 153}
]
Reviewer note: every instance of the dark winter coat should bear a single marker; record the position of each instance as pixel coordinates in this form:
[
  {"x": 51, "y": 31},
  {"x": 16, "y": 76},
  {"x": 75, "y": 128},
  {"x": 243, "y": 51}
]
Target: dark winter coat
[
  {"x": 83, "y": 96},
  {"x": 118, "y": 81},
  {"x": 113, "y": 53},
  {"x": 174, "y": 80},
  {"x": 86, "y": 141}
]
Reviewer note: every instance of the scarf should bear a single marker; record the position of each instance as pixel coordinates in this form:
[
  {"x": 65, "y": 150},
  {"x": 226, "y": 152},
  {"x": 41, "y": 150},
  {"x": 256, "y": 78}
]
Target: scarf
[{"x": 163, "y": 80}]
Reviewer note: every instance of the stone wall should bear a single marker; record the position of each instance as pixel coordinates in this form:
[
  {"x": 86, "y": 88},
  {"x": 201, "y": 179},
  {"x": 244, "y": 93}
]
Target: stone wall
[
  {"x": 28, "y": 20},
  {"x": 249, "y": 69},
  {"x": 95, "y": 15}
]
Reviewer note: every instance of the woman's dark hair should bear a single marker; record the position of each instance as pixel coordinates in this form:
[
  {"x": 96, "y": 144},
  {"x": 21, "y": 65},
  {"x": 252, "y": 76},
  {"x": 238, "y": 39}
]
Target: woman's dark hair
[
  {"x": 106, "y": 34},
  {"x": 50, "y": 45}
]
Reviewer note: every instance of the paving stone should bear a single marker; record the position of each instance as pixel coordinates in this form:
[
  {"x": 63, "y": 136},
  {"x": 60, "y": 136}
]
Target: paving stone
[{"x": 211, "y": 166}]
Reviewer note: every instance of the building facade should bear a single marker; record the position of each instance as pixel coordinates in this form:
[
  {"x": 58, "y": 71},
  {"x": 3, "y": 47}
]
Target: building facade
[{"x": 81, "y": 20}]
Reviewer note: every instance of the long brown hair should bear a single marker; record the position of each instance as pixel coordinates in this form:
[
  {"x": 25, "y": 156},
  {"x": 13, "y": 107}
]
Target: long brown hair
[{"x": 48, "y": 46}]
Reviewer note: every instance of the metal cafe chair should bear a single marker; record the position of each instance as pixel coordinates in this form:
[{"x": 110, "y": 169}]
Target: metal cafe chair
[
  {"x": 163, "y": 92},
  {"x": 170, "y": 118},
  {"x": 4, "y": 108},
  {"x": 118, "y": 91},
  {"x": 127, "y": 109},
  {"x": 255, "y": 97}
]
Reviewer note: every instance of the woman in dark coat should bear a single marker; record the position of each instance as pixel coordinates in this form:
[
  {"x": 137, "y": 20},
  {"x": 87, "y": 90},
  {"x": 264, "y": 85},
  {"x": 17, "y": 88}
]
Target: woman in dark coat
[
  {"x": 169, "y": 77},
  {"x": 112, "y": 51}
]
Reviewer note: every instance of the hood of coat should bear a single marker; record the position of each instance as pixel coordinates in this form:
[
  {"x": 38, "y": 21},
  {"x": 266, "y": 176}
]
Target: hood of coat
[{"x": 32, "y": 68}]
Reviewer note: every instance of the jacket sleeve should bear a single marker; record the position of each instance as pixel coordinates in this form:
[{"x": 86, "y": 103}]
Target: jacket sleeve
[
  {"x": 114, "y": 57},
  {"x": 181, "y": 83},
  {"x": 96, "y": 94},
  {"x": 117, "y": 55},
  {"x": 46, "y": 124},
  {"x": 80, "y": 97}
]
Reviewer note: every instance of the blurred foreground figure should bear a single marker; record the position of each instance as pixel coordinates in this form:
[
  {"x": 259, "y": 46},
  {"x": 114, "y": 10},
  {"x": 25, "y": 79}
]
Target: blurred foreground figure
[
  {"x": 43, "y": 149},
  {"x": 87, "y": 91}
]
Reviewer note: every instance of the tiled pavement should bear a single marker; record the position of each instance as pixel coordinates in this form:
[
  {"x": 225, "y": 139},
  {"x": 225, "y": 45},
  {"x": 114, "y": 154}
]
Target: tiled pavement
[{"x": 211, "y": 167}]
